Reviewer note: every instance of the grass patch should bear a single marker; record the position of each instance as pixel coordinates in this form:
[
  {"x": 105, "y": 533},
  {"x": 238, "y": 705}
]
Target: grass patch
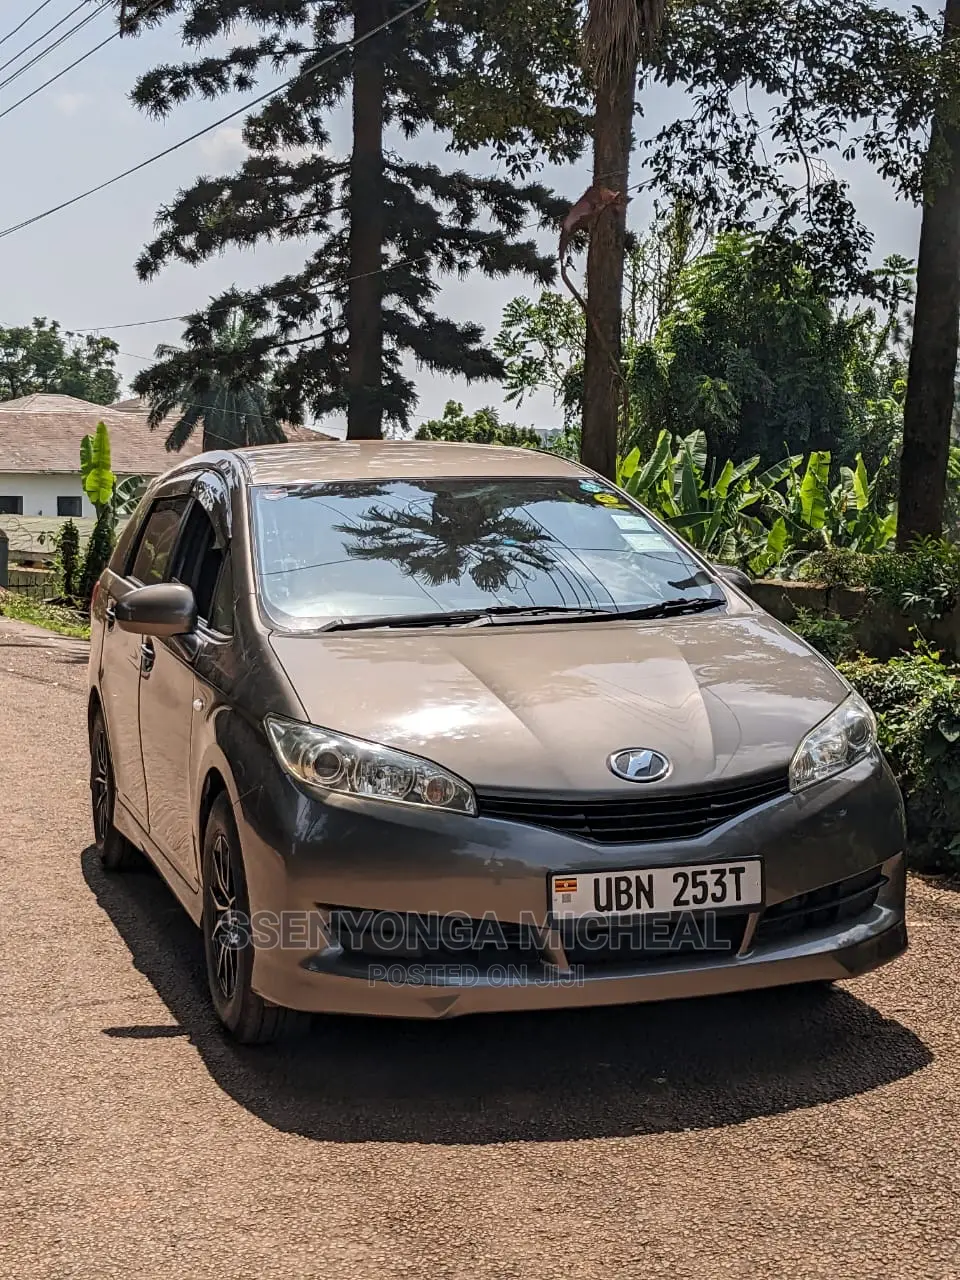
[{"x": 65, "y": 622}]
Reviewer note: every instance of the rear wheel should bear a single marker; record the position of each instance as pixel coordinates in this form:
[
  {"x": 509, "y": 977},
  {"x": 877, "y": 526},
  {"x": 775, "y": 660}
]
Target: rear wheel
[
  {"x": 228, "y": 947},
  {"x": 116, "y": 852}
]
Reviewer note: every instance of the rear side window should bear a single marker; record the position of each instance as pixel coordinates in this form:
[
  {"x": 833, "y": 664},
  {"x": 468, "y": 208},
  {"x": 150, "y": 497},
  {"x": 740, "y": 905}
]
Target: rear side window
[
  {"x": 199, "y": 559},
  {"x": 221, "y": 608},
  {"x": 152, "y": 561}
]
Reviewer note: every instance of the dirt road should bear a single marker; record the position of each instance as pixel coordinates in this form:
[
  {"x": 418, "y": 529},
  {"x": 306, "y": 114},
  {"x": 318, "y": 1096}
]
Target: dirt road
[{"x": 769, "y": 1136}]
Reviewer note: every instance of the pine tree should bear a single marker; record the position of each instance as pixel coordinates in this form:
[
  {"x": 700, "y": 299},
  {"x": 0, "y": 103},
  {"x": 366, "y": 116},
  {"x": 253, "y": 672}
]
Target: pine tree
[{"x": 379, "y": 229}]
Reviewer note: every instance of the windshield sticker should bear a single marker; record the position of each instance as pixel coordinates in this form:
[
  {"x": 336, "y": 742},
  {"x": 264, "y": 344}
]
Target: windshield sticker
[
  {"x": 271, "y": 495},
  {"x": 631, "y": 521},
  {"x": 651, "y": 541},
  {"x": 611, "y": 500},
  {"x": 590, "y": 486}
]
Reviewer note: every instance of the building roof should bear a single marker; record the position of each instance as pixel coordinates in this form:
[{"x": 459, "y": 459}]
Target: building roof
[
  {"x": 397, "y": 459},
  {"x": 42, "y": 433}
]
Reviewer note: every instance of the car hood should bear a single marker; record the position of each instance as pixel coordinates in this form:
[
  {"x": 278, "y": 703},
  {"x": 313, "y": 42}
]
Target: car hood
[{"x": 543, "y": 706}]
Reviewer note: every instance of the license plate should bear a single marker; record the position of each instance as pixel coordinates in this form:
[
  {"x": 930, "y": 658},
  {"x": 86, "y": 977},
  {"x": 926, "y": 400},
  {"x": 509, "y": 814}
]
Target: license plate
[{"x": 655, "y": 890}]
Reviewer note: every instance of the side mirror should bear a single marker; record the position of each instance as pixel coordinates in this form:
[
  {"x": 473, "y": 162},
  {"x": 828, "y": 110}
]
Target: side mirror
[
  {"x": 736, "y": 577},
  {"x": 161, "y": 610}
]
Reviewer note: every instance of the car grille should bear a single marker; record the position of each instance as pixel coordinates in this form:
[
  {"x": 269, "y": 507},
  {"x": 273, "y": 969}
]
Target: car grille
[
  {"x": 820, "y": 908},
  {"x": 694, "y": 936},
  {"x": 407, "y": 942},
  {"x": 401, "y": 939},
  {"x": 668, "y": 815}
]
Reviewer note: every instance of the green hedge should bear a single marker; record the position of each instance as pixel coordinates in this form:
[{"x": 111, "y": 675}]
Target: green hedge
[{"x": 916, "y": 699}]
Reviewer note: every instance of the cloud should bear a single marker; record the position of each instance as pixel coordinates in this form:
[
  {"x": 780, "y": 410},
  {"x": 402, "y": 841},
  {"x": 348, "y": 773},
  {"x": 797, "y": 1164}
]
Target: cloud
[
  {"x": 69, "y": 104},
  {"x": 223, "y": 147},
  {"x": 296, "y": 155}
]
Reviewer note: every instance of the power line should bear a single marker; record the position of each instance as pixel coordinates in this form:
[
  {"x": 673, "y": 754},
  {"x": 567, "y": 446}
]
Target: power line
[
  {"x": 46, "y": 84},
  {"x": 39, "y": 57},
  {"x": 131, "y": 324},
  {"x": 11, "y": 34},
  {"x": 83, "y": 57},
  {"x": 160, "y": 155},
  {"x": 49, "y": 31}
]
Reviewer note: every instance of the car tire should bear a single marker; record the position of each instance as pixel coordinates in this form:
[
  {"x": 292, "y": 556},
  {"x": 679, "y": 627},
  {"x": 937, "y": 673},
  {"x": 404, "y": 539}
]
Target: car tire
[
  {"x": 116, "y": 851},
  {"x": 227, "y": 945}
]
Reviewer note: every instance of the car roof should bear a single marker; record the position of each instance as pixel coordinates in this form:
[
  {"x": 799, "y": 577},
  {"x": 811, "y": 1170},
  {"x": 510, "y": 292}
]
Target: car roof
[{"x": 396, "y": 460}]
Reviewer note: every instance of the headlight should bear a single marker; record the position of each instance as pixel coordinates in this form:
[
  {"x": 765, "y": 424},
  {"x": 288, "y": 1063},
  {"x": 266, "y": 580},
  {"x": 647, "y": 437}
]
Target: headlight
[
  {"x": 328, "y": 761},
  {"x": 847, "y": 735}
]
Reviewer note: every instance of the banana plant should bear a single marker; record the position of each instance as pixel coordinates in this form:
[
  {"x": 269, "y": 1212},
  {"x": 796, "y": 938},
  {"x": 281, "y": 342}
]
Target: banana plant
[
  {"x": 126, "y": 496},
  {"x": 768, "y": 551},
  {"x": 709, "y": 510},
  {"x": 765, "y": 521},
  {"x": 850, "y": 514},
  {"x": 96, "y": 476}
]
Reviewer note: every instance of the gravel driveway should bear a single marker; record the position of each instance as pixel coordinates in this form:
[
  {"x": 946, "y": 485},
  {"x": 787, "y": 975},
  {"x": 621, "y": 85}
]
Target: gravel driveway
[{"x": 775, "y": 1135}]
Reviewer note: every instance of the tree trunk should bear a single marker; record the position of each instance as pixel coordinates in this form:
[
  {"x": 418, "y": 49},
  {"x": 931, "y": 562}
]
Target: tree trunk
[
  {"x": 928, "y": 409},
  {"x": 602, "y": 388},
  {"x": 366, "y": 213}
]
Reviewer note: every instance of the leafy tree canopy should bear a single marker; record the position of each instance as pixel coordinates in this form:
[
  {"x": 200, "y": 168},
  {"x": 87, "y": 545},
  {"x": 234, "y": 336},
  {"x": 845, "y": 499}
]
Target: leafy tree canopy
[
  {"x": 42, "y": 357},
  {"x": 778, "y": 92},
  {"x": 482, "y": 427},
  {"x": 485, "y": 73},
  {"x": 755, "y": 355},
  {"x": 734, "y": 341}
]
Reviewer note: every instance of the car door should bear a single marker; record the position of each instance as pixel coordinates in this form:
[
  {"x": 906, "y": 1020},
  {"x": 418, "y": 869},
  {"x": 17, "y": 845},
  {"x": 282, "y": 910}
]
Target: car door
[
  {"x": 168, "y": 698},
  {"x": 122, "y": 652}
]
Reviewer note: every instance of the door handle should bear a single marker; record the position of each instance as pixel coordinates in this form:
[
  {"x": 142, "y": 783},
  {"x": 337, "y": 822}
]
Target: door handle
[{"x": 147, "y": 657}]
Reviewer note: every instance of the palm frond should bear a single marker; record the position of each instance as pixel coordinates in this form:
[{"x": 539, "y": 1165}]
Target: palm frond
[
  {"x": 183, "y": 428},
  {"x": 616, "y": 31}
]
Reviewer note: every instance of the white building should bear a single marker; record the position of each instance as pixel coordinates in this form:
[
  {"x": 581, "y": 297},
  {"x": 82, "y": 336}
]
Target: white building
[{"x": 40, "y": 439}]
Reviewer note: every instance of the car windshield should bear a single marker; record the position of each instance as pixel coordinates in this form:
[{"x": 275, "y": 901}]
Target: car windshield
[{"x": 355, "y": 549}]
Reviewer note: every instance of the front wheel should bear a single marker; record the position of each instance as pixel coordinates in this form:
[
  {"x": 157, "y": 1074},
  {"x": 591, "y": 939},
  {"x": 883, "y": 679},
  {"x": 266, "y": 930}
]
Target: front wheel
[
  {"x": 116, "y": 852},
  {"x": 227, "y": 945}
]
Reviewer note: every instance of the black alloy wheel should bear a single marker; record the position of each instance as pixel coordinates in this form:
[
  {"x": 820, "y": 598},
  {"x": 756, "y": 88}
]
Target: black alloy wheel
[
  {"x": 116, "y": 852},
  {"x": 227, "y": 942}
]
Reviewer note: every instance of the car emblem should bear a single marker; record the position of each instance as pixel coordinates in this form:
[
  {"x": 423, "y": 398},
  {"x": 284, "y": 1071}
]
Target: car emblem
[{"x": 639, "y": 764}]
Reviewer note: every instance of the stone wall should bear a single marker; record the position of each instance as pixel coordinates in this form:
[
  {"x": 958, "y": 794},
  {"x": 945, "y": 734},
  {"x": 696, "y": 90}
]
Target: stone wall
[{"x": 878, "y": 628}]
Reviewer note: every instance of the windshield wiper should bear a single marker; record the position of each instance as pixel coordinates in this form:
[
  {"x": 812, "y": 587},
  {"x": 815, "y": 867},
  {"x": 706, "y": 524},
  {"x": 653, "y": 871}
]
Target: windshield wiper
[
  {"x": 455, "y": 617},
  {"x": 667, "y": 608},
  {"x": 521, "y": 613}
]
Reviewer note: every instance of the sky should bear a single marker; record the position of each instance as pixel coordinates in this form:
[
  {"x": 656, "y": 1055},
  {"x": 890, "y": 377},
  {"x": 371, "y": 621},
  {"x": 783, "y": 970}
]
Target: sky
[{"x": 78, "y": 265}]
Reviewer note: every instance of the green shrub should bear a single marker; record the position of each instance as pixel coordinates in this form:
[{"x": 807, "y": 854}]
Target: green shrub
[
  {"x": 706, "y": 506},
  {"x": 836, "y": 567},
  {"x": 923, "y": 583},
  {"x": 765, "y": 522},
  {"x": 830, "y": 635},
  {"x": 916, "y": 699},
  {"x": 68, "y": 558}
]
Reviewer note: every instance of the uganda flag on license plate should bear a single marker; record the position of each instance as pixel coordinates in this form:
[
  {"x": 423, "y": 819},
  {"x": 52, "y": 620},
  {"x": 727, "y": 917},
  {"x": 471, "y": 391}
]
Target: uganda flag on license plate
[{"x": 565, "y": 886}]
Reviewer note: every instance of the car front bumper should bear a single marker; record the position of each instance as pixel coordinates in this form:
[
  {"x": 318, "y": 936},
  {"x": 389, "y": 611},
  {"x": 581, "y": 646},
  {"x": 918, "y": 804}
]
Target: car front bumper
[{"x": 307, "y": 860}]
